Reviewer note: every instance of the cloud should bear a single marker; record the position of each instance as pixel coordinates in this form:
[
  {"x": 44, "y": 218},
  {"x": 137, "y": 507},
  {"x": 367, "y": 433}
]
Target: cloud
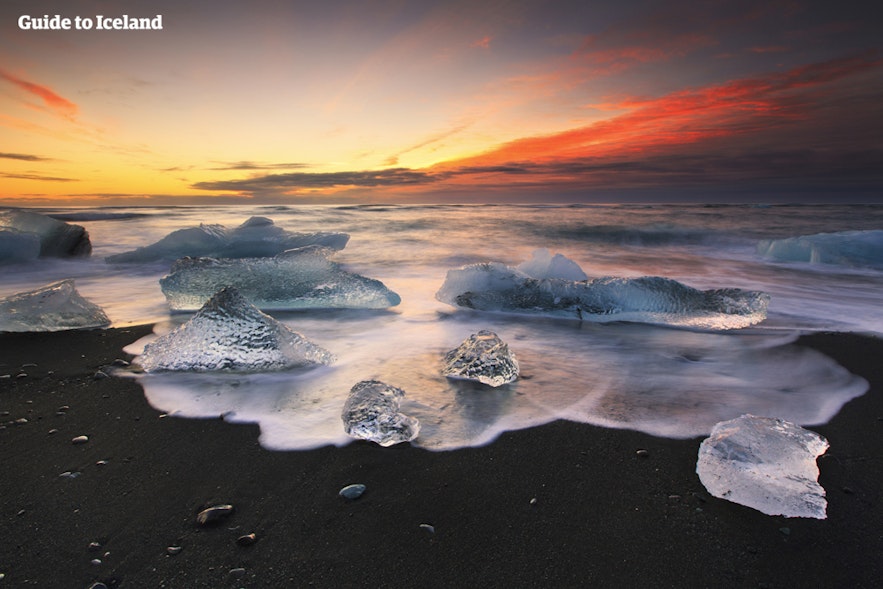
[
  {"x": 441, "y": 136},
  {"x": 55, "y": 103},
  {"x": 313, "y": 180},
  {"x": 483, "y": 43},
  {"x": 745, "y": 106},
  {"x": 249, "y": 165},
  {"x": 25, "y": 157},
  {"x": 38, "y": 177}
]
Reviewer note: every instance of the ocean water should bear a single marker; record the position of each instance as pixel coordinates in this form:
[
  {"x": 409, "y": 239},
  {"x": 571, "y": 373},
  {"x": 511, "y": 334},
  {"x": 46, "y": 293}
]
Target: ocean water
[{"x": 661, "y": 380}]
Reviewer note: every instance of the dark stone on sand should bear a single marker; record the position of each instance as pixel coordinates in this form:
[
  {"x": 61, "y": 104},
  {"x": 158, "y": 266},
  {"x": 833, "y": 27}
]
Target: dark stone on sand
[
  {"x": 213, "y": 514},
  {"x": 353, "y": 491},
  {"x": 237, "y": 572},
  {"x": 246, "y": 539},
  {"x": 173, "y": 550},
  {"x": 643, "y": 453}
]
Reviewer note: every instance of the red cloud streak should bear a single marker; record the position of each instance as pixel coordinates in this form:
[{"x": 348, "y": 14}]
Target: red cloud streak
[
  {"x": 684, "y": 117},
  {"x": 53, "y": 101}
]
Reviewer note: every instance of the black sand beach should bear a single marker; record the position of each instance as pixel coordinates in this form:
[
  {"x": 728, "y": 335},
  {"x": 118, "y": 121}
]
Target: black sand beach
[{"x": 563, "y": 505}]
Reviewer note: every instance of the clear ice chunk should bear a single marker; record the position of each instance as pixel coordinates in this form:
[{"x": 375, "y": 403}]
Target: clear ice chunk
[
  {"x": 18, "y": 246},
  {"x": 764, "y": 463},
  {"x": 543, "y": 264},
  {"x": 258, "y": 237},
  {"x": 847, "y": 248},
  {"x": 482, "y": 357},
  {"x": 229, "y": 333},
  {"x": 55, "y": 307},
  {"x": 57, "y": 238},
  {"x": 371, "y": 412},
  {"x": 493, "y": 286},
  {"x": 298, "y": 279}
]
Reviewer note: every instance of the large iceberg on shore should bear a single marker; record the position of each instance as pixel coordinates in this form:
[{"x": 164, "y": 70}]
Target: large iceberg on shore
[
  {"x": 371, "y": 412},
  {"x": 847, "y": 248},
  {"x": 18, "y": 246},
  {"x": 56, "y": 238},
  {"x": 258, "y": 237},
  {"x": 298, "y": 279},
  {"x": 55, "y": 307},
  {"x": 493, "y": 286},
  {"x": 764, "y": 463},
  {"x": 482, "y": 357},
  {"x": 229, "y": 333}
]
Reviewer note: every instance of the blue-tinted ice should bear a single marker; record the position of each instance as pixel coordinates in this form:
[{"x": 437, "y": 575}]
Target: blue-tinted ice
[
  {"x": 493, "y": 286},
  {"x": 55, "y": 307},
  {"x": 298, "y": 279},
  {"x": 764, "y": 463},
  {"x": 56, "y": 238},
  {"x": 482, "y": 357},
  {"x": 371, "y": 412},
  {"x": 258, "y": 237},
  {"x": 229, "y": 333},
  {"x": 846, "y": 248}
]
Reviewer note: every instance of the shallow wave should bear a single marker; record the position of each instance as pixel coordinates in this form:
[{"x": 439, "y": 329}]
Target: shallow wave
[{"x": 664, "y": 382}]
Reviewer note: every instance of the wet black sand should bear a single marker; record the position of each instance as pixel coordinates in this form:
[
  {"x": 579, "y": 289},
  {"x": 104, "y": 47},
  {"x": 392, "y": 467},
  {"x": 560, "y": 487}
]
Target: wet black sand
[{"x": 563, "y": 505}]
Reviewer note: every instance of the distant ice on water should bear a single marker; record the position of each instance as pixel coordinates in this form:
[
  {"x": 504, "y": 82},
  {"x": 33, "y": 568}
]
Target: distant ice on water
[
  {"x": 56, "y": 238},
  {"x": 845, "y": 248},
  {"x": 54, "y": 307},
  {"x": 256, "y": 238},
  {"x": 298, "y": 279}
]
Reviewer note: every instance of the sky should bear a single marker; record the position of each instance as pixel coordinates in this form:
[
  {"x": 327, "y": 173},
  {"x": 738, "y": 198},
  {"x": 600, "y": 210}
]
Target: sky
[{"x": 274, "y": 101}]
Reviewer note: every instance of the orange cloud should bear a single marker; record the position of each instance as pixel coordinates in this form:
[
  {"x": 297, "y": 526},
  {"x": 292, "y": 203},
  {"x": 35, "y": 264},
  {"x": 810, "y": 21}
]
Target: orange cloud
[
  {"x": 51, "y": 100},
  {"x": 483, "y": 43},
  {"x": 683, "y": 117}
]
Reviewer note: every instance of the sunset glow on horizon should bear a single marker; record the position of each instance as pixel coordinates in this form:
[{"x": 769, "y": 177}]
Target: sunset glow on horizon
[{"x": 275, "y": 102}]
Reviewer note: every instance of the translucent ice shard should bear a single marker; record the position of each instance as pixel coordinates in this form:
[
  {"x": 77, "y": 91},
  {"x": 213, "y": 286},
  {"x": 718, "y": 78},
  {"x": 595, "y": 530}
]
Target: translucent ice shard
[
  {"x": 766, "y": 464},
  {"x": 493, "y": 286},
  {"x": 482, "y": 357},
  {"x": 543, "y": 264},
  {"x": 848, "y": 248},
  {"x": 55, "y": 307},
  {"x": 57, "y": 238},
  {"x": 229, "y": 333},
  {"x": 296, "y": 279},
  {"x": 257, "y": 237},
  {"x": 371, "y": 412}
]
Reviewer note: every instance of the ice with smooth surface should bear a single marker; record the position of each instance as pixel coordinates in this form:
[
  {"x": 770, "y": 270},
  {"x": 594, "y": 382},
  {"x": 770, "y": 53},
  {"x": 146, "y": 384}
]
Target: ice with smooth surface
[
  {"x": 482, "y": 357},
  {"x": 493, "y": 286},
  {"x": 55, "y": 307},
  {"x": 543, "y": 264},
  {"x": 257, "y": 237},
  {"x": 18, "y": 246},
  {"x": 764, "y": 463},
  {"x": 298, "y": 279},
  {"x": 846, "y": 248},
  {"x": 229, "y": 333},
  {"x": 371, "y": 412},
  {"x": 57, "y": 238}
]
